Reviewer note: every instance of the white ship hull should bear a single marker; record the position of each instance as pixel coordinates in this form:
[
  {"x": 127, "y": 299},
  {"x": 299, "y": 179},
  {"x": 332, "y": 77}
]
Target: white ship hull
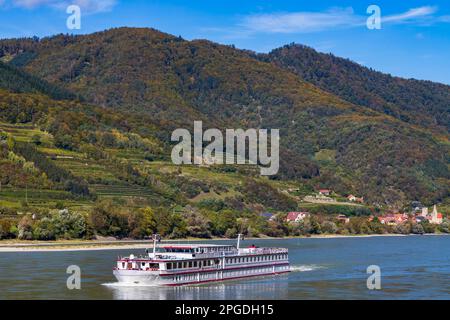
[
  {"x": 174, "y": 265},
  {"x": 141, "y": 277}
]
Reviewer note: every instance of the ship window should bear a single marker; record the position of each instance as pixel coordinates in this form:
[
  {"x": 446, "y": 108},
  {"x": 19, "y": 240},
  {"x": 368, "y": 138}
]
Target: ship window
[
  {"x": 190, "y": 264},
  {"x": 169, "y": 266}
]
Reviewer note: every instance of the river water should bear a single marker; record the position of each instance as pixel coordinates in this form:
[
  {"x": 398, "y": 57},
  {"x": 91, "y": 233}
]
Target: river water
[{"x": 412, "y": 267}]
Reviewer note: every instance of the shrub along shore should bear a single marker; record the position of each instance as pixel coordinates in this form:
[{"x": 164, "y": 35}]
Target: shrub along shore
[{"x": 106, "y": 219}]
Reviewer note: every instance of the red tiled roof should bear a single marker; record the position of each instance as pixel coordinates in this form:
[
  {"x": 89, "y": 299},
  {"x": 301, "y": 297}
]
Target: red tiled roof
[{"x": 293, "y": 215}]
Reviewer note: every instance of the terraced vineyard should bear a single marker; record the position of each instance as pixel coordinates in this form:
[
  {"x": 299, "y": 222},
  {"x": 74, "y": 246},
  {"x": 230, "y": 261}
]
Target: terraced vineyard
[{"x": 25, "y": 133}]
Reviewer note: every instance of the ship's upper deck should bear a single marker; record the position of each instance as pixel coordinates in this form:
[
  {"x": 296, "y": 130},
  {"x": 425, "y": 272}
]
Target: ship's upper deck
[
  {"x": 196, "y": 248},
  {"x": 200, "y": 251}
]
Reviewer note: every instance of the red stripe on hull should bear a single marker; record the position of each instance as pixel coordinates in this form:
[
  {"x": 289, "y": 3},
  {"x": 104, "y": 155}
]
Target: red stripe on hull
[{"x": 226, "y": 279}]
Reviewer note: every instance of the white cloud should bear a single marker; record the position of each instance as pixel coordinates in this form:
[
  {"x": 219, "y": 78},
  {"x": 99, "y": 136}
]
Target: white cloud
[
  {"x": 411, "y": 14},
  {"x": 299, "y": 21},
  {"x": 304, "y": 22},
  {"x": 88, "y": 6}
]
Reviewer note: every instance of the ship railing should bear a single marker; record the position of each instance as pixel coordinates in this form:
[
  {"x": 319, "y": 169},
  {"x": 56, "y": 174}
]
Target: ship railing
[
  {"x": 263, "y": 250},
  {"x": 165, "y": 256},
  {"x": 215, "y": 254}
]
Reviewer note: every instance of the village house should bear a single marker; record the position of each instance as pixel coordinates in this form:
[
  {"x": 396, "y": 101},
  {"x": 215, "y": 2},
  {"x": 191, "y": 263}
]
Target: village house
[
  {"x": 325, "y": 192},
  {"x": 392, "y": 219},
  {"x": 343, "y": 218},
  {"x": 296, "y": 216},
  {"x": 397, "y": 218},
  {"x": 353, "y": 198}
]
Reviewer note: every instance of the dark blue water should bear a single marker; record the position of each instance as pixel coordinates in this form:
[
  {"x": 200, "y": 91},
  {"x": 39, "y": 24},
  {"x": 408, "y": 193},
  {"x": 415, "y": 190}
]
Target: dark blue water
[{"x": 413, "y": 267}]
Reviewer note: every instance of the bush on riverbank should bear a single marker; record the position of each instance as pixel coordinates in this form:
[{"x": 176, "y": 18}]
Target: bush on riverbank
[{"x": 110, "y": 219}]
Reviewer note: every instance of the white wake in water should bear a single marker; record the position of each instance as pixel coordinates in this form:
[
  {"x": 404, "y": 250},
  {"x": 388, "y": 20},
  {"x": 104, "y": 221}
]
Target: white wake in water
[{"x": 304, "y": 268}]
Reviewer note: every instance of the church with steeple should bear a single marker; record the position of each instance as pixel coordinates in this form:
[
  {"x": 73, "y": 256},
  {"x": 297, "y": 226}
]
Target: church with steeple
[{"x": 434, "y": 217}]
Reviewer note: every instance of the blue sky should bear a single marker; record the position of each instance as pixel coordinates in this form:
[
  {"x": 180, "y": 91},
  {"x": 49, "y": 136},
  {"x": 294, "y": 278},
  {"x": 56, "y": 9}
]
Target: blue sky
[{"x": 414, "y": 39}]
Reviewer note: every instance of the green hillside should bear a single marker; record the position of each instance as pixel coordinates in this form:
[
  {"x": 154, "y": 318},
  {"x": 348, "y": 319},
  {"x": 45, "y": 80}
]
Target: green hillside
[
  {"x": 422, "y": 103},
  {"x": 378, "y": 154},
  {"x": 107, "y": 156},
  {"x": 16, "y": 80}
]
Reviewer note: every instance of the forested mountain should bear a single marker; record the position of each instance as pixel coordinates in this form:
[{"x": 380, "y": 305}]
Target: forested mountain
[
  {"x": 380, "y": 141},
  {"x": 424, "y": 103},
  {"x": 16, "y": 80}
]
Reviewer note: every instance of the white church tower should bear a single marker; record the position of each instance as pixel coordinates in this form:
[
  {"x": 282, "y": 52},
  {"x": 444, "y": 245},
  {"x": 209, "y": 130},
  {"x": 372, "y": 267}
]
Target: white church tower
[{"x": 435, "y": 216}]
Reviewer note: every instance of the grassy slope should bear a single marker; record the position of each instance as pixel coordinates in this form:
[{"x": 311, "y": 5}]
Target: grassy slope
[
  {"x": 81, "y": 166},
  {"x": 175, "y": 81}
]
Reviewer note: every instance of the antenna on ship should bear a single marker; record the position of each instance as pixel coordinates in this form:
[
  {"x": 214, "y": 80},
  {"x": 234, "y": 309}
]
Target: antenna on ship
[
  {"x": 156, "y": 238},
  {"x": 240, "y": 237}
]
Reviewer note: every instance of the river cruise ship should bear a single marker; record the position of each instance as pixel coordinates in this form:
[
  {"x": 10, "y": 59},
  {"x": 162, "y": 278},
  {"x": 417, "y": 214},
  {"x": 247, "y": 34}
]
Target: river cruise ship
[{"x": 183, "y": 264}]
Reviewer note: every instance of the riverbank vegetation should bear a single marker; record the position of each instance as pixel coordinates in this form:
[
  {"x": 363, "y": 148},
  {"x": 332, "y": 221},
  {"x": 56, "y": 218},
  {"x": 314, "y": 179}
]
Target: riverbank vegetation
[{"x": 107, "y": 219}]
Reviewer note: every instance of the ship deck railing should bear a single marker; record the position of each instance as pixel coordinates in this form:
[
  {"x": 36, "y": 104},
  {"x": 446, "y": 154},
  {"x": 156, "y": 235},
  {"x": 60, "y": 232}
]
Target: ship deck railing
[
  {"x": 263, "y": 250},
  {"x": 249, "y": 251}
]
